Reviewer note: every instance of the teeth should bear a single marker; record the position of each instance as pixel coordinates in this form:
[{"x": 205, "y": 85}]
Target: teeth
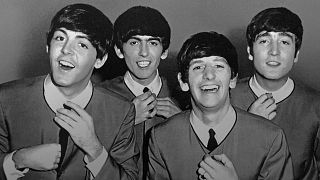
[
  {"x": 273, "y": 63},
  {"x": 213, "y": 88},
  {"x": 143, "y": 63},
  {"x": 67, "y": 64}
]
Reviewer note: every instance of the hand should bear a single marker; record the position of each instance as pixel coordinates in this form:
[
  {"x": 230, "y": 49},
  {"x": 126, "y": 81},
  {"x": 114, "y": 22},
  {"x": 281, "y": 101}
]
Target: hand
[
  {"x": 145, "y": 106},
  {"x": 80, "y": 126},
  {"x": 166, "y": 107},
  {"x": 264, "y": 106},
  {"x": 217, "y": 168},
  {"x": 41, "y": 157}
]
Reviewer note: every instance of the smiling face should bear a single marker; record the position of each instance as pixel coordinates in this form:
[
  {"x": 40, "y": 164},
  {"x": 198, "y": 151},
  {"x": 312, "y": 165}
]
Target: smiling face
[
  {"x": 72, "y": 59},
  {"x": 273, "y": 55},
  {"x": 142, "y": 55},
  {"x": 209, "y": 80}
]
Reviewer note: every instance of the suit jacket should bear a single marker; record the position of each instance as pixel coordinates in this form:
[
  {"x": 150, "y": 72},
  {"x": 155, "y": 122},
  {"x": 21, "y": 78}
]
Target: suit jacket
[
  {"x": 299, "y": 116},
  {"x": 256, "y": 147},
  {"x": 118, "y": 86},
  {"x": 26, "y": 120}
]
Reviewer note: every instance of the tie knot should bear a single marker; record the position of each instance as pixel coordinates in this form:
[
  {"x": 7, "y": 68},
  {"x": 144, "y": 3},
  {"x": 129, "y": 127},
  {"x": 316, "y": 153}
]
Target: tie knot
[
  {"x": 211, "y": 133},
  {"x": 145, "y": 90}
]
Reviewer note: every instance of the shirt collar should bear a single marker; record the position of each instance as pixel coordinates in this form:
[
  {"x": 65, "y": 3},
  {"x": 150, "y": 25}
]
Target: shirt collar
[
  {"x": 278, "y": 95},
  {"x": 56, "y": 99},
  {"x": 222, "y": 129},
  {"x": 137, "y": 89}
]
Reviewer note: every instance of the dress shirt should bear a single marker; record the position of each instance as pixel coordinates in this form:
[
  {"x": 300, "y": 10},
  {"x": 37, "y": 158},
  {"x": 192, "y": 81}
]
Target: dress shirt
[
  {"x": 278, "y": 95},
  {"x": 137, "y": 89},
  {"x": 55, "y": 99},
  {"x": 222, "y": 129}
]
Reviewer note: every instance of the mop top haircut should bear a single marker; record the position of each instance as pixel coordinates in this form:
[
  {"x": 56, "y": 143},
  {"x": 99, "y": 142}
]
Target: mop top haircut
[
  {"x": 86, "y": 19},
  {"x": 278, "y": 19},
  {"x": 141, "y": 20},
  {"x": 206, "y": 44}
]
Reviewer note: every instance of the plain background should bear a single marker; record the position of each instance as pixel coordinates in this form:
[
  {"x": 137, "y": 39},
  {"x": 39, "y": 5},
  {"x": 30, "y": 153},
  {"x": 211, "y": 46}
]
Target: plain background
[{"x": 23, "y": 26}]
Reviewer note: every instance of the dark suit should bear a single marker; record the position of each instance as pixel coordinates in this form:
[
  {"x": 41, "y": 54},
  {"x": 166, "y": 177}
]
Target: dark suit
[
  {"x": 256, "y": 147},
  {"x": 27, "y": 120},
  {"x": 118, "y": 85},
  {"x": 299, "y": 116}
]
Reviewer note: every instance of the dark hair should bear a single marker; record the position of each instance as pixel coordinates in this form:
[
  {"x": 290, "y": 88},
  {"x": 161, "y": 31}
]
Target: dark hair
[
  {"x": 277, "y": 19},
  {"x": 205, "y": 44},
  {"x": 88, "y": 20},
  {"x": 141, "y": 20}
]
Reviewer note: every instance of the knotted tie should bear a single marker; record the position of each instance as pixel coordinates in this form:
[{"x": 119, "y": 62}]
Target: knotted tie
[{"x": 212, "y": 143}]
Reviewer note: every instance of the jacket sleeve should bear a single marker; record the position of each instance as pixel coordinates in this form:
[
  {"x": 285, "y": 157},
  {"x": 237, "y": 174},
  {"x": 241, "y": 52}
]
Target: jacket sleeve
[
  {"x": 278, "y": 162},
  {"x": 122, "y": 159},
  {"x": 156, "y": 165},
  {"x": 4, "y": 141}
]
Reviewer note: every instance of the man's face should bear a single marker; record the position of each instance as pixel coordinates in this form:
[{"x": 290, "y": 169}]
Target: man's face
[
  {"x": 274, "y": 54},
  {"x": 142, "y": 55},
  {"x": 209, "y": 82},
  {"x": 72, "y": 59}
]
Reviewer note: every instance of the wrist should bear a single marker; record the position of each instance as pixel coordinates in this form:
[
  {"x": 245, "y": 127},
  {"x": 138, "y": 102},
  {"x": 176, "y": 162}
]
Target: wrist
[
  {"x": 94, "y": 151},
  {"x": 18, "y": 160}
]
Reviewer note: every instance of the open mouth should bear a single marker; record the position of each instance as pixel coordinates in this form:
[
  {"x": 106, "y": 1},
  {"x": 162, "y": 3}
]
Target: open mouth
[
  {"x": 273, "y": 63},
  {"x": 210, "y": 88},
  {"x": 143, "y": 64},
  {"x": 66, "y": 65}
]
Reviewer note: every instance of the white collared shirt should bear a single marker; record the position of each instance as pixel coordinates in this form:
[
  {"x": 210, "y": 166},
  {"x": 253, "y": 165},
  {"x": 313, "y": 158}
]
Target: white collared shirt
[
  {"x": 278, "y": 95},
  {"x": 137, "y": 89},
  {"x": 222, "y": 129},
  {"x": 55, "y": 100}
]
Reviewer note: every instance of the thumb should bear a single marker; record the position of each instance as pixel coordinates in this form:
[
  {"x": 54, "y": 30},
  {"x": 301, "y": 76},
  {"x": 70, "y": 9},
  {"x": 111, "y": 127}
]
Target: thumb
[{"x": 224, "y": 159}]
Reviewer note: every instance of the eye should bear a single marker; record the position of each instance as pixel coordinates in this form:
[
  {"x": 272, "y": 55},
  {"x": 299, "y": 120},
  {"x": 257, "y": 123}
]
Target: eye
[
  {"x": 154, "y": 43},
  {"x": 219, "y": 66},
  {"x": 133, "y": 42},
  {"x": 58, "y": 38},
  {"x": 285, "y": 42},
  {"x": 197, "y": 67},
  {"x": 262, "y": 41},
  {"x": 83, "y": 45}
]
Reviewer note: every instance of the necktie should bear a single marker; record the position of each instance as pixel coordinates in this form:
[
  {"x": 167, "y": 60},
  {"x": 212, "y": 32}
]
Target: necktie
[
  {"x": 145, "y": 90},
  {"x": 212, "y": 143}
]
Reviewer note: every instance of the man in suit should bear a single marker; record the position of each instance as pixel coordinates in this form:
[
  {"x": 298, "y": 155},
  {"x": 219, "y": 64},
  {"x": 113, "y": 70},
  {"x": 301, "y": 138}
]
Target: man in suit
[
  {"x": 214, "y": 140},
  {"x": 142, "y": 38},
  {"x": 59, "y": 126},
  {"x": 274, "y": 38}
]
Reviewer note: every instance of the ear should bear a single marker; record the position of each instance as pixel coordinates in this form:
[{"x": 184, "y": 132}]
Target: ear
[
  {"x": 296, "y": 58},
  {"x": 47, "y": 48},
  {"x": 164, "y": 54},
  {"x": 100, "y": 62},
  {"x": 183, "y": 86},
  {"x": 233, "y": 82},
  {"x": 250, "y": 57},
  {"x": 118, "y": 52}
]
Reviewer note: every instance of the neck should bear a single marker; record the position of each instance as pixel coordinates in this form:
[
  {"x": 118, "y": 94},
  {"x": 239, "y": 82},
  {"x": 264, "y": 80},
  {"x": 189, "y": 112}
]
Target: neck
[
  {"x": 72, "y": 91},
  {"x": 271, "y": 84},
  {"x": 144, "y": 81},
  {"x": 212, "y": 116}
]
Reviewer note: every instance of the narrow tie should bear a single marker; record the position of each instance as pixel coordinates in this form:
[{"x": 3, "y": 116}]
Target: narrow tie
[{"x": 212, "y": 143}]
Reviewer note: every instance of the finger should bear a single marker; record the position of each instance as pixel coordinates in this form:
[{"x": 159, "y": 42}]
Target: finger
[
  {"x": 77, "y": 109},
  {"x": 262, "y": 98},
  {"x": 208, "y": 168},
  {"x": 63, "y": 124},
  {"x": 152, "y": 112},
  {"x": 144, "y": 96},
  {"x": 67, "y": 115},
  {"x": 272, "y": 115},
  {"x": 201, "y": 171},
  {"x": 165, "y": 100},
  {"x": 223, "y": 159},
  {"x": 268, "y": 102},
  {"x": 151, "y": 105},
  {"x": 271, "y": 108},
  {"x": 212, "y": 162}
]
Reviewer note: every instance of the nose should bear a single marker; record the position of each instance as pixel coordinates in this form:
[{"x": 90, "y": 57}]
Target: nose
[
  {"x": 67, "y": 48},
  {"x": 274, "y": 49},
  {"x": 209, "y": 73},
  {"x": 144, "y": 50}
]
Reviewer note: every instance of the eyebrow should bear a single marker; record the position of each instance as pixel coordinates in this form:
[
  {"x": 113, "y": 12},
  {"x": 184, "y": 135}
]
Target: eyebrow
[
  {"x": 265, "y": 34},
  {"x": 149, "y": 39},
  {"x": 77, "y": 36}
]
